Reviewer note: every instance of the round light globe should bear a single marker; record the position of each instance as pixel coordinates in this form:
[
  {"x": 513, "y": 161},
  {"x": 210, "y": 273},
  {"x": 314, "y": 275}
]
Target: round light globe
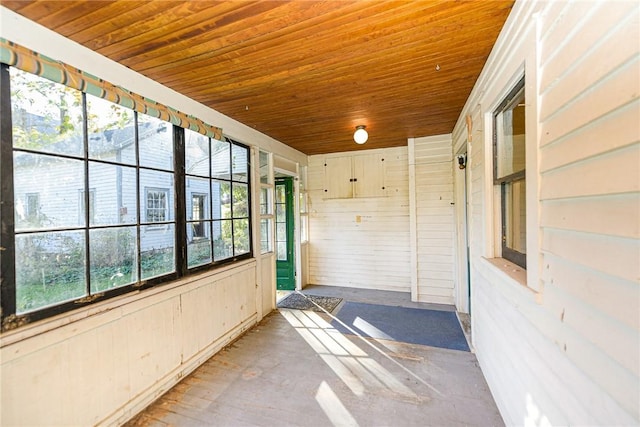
[{"x": 361, "y": 135}]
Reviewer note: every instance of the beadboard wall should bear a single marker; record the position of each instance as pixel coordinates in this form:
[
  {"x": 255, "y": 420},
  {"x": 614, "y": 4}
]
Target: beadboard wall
[
  {"x": 361, "y": 242},
  {"x": 432, "y": 218}
]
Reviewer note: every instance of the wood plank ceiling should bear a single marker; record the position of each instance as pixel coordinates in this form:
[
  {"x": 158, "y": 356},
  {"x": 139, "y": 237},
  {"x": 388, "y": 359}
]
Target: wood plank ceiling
[{"x": 303, "y": 72}]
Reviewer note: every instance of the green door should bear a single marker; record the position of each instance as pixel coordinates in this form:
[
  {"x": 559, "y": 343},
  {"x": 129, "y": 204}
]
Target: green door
[{"x": 285, "y": 264}]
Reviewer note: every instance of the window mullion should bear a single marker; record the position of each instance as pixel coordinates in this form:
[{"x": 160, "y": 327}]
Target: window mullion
[
  {"x": 7, "y": 231},
  {"x": 233, "y": 234},
  {"x": 86, "y": 196},
  {"x": 180, "y": 205},
  {"x": 136, "y": 143}
]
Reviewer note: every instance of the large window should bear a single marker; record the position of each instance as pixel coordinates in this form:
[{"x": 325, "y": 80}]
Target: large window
[
  {"x": 100, "y": 199},
  {"x": 217, "y": 186},
  {"x": 509, "y": 173}
]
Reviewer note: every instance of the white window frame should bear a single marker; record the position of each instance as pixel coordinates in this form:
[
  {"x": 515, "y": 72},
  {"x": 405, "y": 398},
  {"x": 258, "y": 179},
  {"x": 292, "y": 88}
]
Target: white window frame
[
  {"x": 529, "y": 278},
  {"x": 147, "y": 192},
  {"x": 269, "y": 216},
  {"x": 504, "y": 180}
]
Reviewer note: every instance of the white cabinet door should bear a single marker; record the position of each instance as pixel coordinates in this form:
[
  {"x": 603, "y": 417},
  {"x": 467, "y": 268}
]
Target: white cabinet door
[
  {"x": 368, "y": 175},
  {"x": 338, "y": 182}
]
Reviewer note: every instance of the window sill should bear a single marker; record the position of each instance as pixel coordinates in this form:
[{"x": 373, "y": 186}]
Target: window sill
[
  {"x": 512, "y": 270},
  {"x": 121, "y": 305},
  {"x": 512, "y": 276}
]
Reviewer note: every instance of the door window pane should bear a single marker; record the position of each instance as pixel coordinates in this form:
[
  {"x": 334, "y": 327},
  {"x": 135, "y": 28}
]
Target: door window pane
[
  {"x": 282, "y": 251},
  {"x": 281, "y": 236},
  {"x": 281, "y": 231},
  {"x": 280, "y": 194}
]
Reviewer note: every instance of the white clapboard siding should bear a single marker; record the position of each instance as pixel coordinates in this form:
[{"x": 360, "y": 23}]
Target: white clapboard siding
[
  {"x": 566, "y": 350},
  {"x": 361, "y": 242},
  {"x": 433, "y": 219},
  {"x": 590, "y": 222}
]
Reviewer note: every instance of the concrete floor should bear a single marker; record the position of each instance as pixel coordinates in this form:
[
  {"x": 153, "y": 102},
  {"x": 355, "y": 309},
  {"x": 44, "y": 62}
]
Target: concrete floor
[{"x": 294, "y": 369}]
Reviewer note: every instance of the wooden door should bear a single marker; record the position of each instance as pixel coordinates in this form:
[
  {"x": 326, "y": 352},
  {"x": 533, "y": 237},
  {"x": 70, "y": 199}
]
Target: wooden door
[{"x": 285, "y": 262}]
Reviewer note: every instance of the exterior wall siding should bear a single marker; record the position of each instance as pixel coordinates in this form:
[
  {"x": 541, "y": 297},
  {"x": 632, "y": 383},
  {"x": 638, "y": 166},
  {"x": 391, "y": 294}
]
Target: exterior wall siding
[
  {"x": 361, "y": 242},
  {"x": 564, "y": 346}
]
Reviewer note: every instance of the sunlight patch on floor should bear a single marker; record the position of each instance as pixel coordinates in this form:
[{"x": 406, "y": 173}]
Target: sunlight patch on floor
[
  {"x": 357, "y": 370},
  {"x": 335, "y": 410}
]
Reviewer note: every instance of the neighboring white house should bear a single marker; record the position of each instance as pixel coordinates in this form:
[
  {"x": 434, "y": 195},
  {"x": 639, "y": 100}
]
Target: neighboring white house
[{"x": 558, "y": 341}]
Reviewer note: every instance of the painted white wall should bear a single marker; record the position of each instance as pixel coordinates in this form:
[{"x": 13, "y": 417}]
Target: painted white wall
[
  {"x": 104, "y": 363},
  {"x": 360, "y": 242},
  {"x": 432, "y": 219},
  {"x": 268, "y": 277},
  {"x": 559, "y": 344}
]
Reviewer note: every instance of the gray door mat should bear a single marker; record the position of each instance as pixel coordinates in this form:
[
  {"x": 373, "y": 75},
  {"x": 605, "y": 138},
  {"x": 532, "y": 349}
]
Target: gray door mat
[{"x": 298, "y": 301}]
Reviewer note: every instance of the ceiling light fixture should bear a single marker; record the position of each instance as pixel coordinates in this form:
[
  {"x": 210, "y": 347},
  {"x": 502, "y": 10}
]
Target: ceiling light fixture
[{"x": 360, "y": 136}]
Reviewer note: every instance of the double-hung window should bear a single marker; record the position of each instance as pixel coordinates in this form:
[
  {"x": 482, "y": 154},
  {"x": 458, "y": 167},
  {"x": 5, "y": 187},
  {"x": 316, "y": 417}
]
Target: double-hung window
[
  {"x": 157, "y": 204},
  {"x": 98, "y": 197},
  {"x": 509, "y": 173}
]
